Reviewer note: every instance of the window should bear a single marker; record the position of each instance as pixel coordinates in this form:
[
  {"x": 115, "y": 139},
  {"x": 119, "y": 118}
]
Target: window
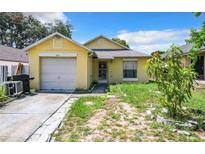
[{"x": 130, "y": 70}]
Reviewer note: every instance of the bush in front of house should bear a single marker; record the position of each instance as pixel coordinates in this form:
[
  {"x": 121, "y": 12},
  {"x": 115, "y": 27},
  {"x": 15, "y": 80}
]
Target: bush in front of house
[{"x": 173, "y": 80}]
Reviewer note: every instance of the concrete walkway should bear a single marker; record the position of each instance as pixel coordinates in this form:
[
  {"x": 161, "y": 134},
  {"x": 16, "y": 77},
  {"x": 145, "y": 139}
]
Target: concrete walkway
[
  {"x": 20, "y": 119},
  {"x": 100, "y": 88},
  {"x": 200, "y": 84}
]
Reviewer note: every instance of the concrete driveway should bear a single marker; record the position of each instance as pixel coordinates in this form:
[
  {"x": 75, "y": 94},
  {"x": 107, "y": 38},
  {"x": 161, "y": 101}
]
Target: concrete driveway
[{"x": 21, "y": 118}]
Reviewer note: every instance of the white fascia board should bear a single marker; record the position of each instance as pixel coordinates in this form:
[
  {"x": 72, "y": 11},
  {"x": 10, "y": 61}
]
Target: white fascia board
[
  {"x": 57, "y": 54},
  {"x": 130, "y": 59}
]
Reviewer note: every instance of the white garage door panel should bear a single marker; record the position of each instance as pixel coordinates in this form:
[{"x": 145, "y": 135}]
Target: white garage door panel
[
  {"x": 65, "y": 77},
  {"x": 60, "y": 69},
  {"x": 54, "y": 77},
  {"x": 58, "y": 73},
  {"x": 57, "y": 86},
  {"x": 48, "y": 85}
]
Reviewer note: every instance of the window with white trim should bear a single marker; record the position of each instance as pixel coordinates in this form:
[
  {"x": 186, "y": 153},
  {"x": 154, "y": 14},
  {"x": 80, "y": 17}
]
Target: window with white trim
[{"x": 130, "y": 70}]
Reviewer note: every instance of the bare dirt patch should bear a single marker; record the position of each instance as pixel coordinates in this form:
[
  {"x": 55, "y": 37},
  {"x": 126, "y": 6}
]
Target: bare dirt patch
[
  {"x": 119, "y": 121},
  {"x": 95, "y": 120},
  {"x": 89, "y": 103},
  {"x": 201, "y": 134}
]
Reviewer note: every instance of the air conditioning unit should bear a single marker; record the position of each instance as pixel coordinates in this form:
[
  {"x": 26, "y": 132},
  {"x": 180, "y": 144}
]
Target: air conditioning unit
[{"x": 13, "y": 88}]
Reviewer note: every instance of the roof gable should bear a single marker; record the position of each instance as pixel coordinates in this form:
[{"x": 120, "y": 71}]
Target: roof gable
[
  {"x": 52, "y": 35},
  {"x": 102, "y": 42}
]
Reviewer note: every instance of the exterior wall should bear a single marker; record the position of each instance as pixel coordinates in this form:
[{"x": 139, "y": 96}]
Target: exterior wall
[
  {"x": 142, "y": 70},
  {"x": 47, "y": 46},
  {"x": 185, "y": 61},
  {"x": 90, "y": 76},
  {"x": 10, "y": 64},
  {"x": 95, "y": 69},
  {"x": 115, "y": 70},
  {"x": 102, "y": 43}
]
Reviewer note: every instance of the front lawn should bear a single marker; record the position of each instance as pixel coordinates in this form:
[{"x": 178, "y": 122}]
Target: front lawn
[
  {"x": 198, "y": 100},
  {"x": 131, "y": 112},
  {"x": 139, "y": 95},
  {"x": 75, "y": 119},
  {"x": 144, "y": 95}
]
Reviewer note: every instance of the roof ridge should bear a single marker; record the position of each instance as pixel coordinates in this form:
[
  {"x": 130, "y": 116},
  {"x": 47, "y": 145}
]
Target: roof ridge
[{"x": 91, "y": 40}]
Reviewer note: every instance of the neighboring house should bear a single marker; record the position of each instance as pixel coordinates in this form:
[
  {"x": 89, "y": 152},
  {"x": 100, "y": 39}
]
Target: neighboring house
[
  {"x": 57, "y": 62},
  {"x": 12, "y": 57},
  {"x": 199, "y": 67}
]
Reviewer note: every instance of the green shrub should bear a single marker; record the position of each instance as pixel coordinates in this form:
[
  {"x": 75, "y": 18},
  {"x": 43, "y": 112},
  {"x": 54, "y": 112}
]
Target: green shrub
[
  {"x": 3, "y": 97},
  {"x": 173, "y": 80}
]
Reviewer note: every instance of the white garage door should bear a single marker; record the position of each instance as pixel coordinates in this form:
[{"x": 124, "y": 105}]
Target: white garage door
[{"x": 58, "y": 73}]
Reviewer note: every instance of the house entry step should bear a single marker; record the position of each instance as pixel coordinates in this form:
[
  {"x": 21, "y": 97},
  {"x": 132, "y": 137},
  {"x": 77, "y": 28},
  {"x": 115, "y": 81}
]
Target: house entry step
[{"x": 100, "y": 88}]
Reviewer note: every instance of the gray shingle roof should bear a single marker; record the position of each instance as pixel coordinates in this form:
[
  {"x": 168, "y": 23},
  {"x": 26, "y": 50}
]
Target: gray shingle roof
[
  {"x": 111, "y": 54},
  {"x": 12, "y": 54},
  {"x": 186, "y": 48}
]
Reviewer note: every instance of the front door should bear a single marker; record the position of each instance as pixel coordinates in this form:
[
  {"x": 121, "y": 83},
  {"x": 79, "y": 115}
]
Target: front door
[{"x": 102, "y": 72}]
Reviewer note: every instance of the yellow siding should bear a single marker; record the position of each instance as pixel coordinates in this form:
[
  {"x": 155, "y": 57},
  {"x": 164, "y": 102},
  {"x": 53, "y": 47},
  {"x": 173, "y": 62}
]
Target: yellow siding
[
  {"x": 95, "y": 69},
  {"x": 89, "y": 78},
  {"x": 115, "y": 70},
  {"x": 58, "y": 42},
  {"x": 185, "y": 61},
  {"x": 142, "y": 70},
  {"x": 102, "y": 43},
  {"x": 47, "y": 46}
]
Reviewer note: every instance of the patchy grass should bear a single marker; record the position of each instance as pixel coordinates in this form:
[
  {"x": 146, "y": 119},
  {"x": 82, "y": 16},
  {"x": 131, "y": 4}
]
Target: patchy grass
[
  {"x": 122, "y": 116},
  {"x": 198, "y": 100},
  {"x": 82, "y": 110},
  {"x": 78, "y": 115},
  {"x": 144, "y": 95},
  {"x": 147, "y": 96},
  {"x": 139, "y": 95}
]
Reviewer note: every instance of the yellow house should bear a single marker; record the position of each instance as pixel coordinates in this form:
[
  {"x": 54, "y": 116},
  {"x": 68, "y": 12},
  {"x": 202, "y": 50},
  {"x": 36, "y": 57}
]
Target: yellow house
[{"x": 59, "y": 63}]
